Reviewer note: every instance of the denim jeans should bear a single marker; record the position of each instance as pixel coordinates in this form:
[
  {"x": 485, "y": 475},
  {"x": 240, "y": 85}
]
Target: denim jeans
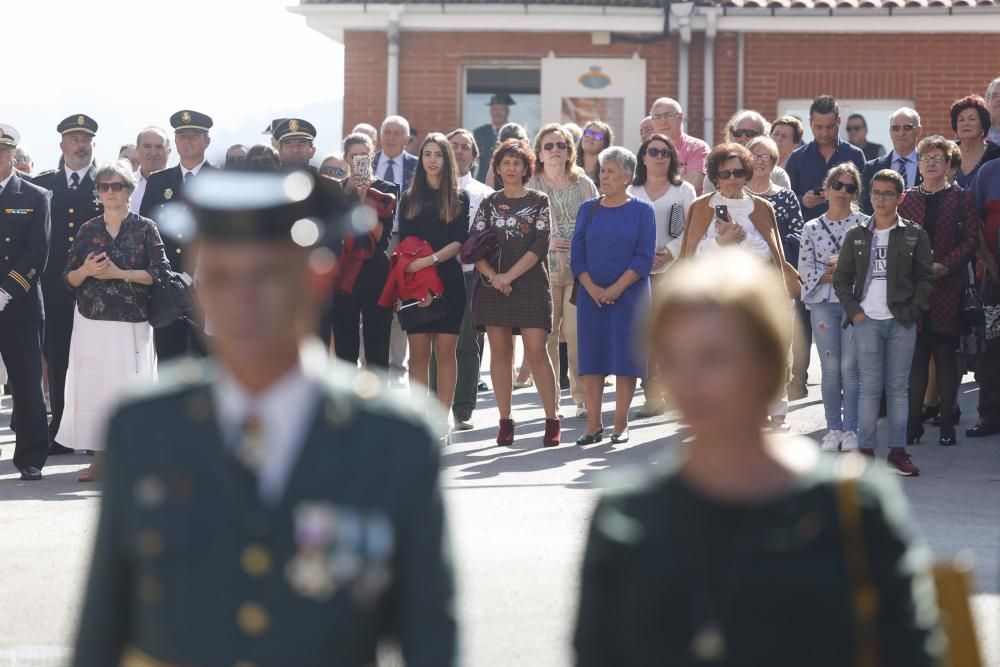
[
  {"x": 885, "y": 354},
  {"x": 840, "y": 385}
]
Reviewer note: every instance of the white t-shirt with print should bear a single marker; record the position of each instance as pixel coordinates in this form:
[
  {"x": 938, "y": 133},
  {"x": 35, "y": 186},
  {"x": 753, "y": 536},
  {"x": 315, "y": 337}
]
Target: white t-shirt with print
[{"x": 876, "y": 302}]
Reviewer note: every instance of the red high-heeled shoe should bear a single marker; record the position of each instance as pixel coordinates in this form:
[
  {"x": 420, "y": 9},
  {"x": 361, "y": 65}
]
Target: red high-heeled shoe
[
  {"x": 505, "y": 437},
  {"x": 552, "y": 433}
]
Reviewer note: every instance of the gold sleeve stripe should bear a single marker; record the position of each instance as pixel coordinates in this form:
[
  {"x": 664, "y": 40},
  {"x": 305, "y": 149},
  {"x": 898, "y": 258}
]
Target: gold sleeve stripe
[{"x": 19, "y": 279}]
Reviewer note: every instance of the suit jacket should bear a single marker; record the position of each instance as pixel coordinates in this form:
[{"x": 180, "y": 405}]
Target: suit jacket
[
  {"x": 162, "y": 187},
  {"x": 25, "y": 227},
  {"x": 191, "y": 568},
  {"x": 486, "y": 140},
  {"x": 409, "y": 166},
  {"x": 70, "y": 209},
  {"x": 872, "y": 167}
]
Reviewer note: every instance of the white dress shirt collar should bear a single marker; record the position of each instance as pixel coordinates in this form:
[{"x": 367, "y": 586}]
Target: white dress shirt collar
[
  {"x": 4, "y": 182},
  {"x": 285, "y": 411},
  {"x": 185, "y": 171},
  {"x": 80, "y": 174}
]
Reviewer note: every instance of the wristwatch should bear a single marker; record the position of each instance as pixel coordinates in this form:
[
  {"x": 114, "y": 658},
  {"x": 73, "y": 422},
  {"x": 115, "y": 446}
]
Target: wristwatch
[{"x": 437, "y": 260}]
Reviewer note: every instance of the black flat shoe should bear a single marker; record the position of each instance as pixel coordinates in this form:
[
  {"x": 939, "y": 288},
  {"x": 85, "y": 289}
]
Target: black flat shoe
[
  {"x": 948, "y": 437},
  {"x": 983, "y": 429},
  {"x": 914, "y": 434},
  {"x": 591, "y": 438},
  {"x": 55, "y": 449},
  {"x": 618, "y": 438},
  {"x": 31, "y": 474}
]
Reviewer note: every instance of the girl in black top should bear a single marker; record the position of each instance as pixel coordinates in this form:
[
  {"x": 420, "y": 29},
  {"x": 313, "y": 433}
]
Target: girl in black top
[{"x": 437, "y": 211}]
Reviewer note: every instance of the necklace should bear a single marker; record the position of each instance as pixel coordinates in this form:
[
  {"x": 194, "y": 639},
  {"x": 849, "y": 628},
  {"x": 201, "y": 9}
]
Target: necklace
[
  {"x": 770, "y": 186},
  {"x": 923, "y": 188}
]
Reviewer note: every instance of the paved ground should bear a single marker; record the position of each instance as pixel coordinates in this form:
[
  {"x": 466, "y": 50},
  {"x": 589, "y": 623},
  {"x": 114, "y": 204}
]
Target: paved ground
[{"x": 518, "y": 518}]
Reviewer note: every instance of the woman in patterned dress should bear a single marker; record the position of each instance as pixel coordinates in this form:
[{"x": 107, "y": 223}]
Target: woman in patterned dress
[
  {"x": 112, "y": 265},
  {"x": 512, "y": 296}
]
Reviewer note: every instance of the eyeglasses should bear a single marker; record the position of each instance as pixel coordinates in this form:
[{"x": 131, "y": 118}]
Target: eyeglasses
[
  {"x": 840, "y": 185},
  {"x": 761, "y": 158},
  {"x": 659, "y": 152},
  {"x": 333, "y": 171},
  {"x": 236, "y": 159},
  {"x": 726, "y": 174},
  {"x": 884, "y": 194},
  {"x": 933, "y": 159},
  {"x": 749, "y": 134},
  {"x": 902, "y": 128},
  {"x": 667, "y": 115},
  {"x": 855, "y": 128},
  {"x": 596, "y": 135},
  {"x": 113, "y": 187},
  {"x": 561, "y": 145}
]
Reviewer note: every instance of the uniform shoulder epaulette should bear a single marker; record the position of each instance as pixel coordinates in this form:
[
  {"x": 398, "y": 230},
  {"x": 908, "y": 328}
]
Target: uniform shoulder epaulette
[{"x": 47, "y": 172}]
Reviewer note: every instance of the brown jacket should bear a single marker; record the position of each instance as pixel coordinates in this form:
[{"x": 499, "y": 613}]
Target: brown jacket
[{"x": 701, "y": 214}]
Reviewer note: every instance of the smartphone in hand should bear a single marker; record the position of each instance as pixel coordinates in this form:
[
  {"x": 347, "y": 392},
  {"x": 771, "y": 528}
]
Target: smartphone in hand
[
  {"x": 362, "y": 167},
  {"x": 722, "y": 212}
]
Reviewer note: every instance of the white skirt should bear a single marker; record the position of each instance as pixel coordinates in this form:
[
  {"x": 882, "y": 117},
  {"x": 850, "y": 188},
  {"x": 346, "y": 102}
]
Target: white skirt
[{"x": 106, "y": 359}]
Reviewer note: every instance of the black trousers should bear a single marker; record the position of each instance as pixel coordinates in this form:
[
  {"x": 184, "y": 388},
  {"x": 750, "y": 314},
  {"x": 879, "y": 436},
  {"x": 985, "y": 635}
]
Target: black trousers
[
  {"x": 21, "y": 350},
  {"x": 942, "y": 349},
  {"x": 180, "y": 339},
  {"x": 801, "y": 345},
  {"x": 988, "y": 368},
  {"x": 350, "y": 311},
  {"x": 58, "y": 333}
]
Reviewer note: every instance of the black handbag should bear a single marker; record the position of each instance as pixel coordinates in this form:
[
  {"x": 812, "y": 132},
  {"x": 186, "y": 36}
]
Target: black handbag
[
  {"x": 412, "y": 316},
  {"x": 171, "y": 300}
]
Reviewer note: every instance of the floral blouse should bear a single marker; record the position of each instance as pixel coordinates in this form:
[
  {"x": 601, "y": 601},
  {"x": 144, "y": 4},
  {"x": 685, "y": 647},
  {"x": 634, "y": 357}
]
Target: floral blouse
[
  {"x": 139, "y": 247},
  {"x": 521, "y": 225},
  {"x": 817, "y": 247},
  {"x": 564, "y": 205}
]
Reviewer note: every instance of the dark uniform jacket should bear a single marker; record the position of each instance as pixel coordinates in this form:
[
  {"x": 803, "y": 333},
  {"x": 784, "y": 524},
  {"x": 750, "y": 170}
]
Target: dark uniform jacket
[
  {"x": 486, "y": 140},
  {"x": 24, "y": 246},
  {"x": 190, "y": 568},
  {"x": 70, "y": 209},
  {"x": 872, "y": 167},
  {"x": 909, "y": 276},
  {"x": 163, "y": 187}
]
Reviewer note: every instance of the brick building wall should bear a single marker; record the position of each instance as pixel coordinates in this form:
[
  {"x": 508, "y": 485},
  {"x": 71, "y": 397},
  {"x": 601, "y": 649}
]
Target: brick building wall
[{"x": 921, "y": 67}]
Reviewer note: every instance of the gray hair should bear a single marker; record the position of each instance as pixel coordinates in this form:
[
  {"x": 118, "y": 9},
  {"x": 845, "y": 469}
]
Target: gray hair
[
  {"x": 623, "y": 156},
  {"x": 991, "y": 87},
  {"x": 668, "y": 101},
  {"x": 908, "y": 112},
  {"x": 367, "y": 130},
  {"x": 398, "y": 121},
  {"x": 121, "y": 168},
  {"x": 512, "y": 131},
  {"x": 359, "y": 138},
  {"x": 154, "y": 130},
  {"x": 748, "y": 114}
]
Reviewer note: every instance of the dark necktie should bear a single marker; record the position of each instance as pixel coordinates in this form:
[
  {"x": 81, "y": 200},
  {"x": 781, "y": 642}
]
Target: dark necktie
[
  {"x": 187, "y": 177},
  {"x": 390, "y": 173},
  {"x": 74, "y": 181},
  {"x": 901, "y": 168}
]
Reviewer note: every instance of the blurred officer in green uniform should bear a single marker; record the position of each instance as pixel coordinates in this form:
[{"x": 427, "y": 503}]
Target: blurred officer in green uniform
[{"x": 269, "y": 508}]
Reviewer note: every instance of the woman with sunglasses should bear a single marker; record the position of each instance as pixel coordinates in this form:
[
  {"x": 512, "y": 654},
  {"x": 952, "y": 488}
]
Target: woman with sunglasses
[
  {"x": 334, "y": 166},
  {"x": 822, "y": 240},
  {"x": 659, "y": 182},
  {"x": 948, "y": 215},
  {"x": 732, "y": 216},
  {"x": 112, "y": 265},
  {"x": 745, "y": 126},
  {"x": 597, "y": 136},
  {"x": 567, "y": 186}
]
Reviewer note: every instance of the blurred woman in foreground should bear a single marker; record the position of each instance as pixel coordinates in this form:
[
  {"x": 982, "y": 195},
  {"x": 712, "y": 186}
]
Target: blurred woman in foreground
[{"x": 735, "y": 553}]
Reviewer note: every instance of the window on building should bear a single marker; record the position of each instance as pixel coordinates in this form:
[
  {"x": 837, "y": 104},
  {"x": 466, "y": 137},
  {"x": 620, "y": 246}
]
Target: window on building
[
  {"x": 876, "y": 113},
  {"x": 522, "y": 83}
]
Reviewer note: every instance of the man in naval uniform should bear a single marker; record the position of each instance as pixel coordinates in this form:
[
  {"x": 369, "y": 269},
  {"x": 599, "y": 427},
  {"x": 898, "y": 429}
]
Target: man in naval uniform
[
  {"x": 281, "y": 510},
  {"x": 24, "y": 246},
  {"x": 296, "y": 143},
  {"x": 191, "y": 140},
  {"x": 73, "y": 203},
  {"x": 486, "y": 135}
]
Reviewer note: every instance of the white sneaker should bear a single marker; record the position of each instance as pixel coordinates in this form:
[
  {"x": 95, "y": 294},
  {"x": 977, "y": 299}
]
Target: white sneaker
[
  {"x": 833, "y": 441},
  {"x": 849, "y": 443}
]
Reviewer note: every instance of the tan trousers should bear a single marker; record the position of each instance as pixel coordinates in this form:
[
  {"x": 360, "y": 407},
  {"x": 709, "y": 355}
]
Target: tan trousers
[{"x": 564, "y": 314}]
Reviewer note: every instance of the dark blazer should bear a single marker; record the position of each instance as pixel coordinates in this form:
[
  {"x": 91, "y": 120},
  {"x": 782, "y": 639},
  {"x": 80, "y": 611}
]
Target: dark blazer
[
  {"x": 409, "y": 166},
  {"x": 872, "y": 167},
  {"x": 70, "y": 210},
  {"x": 25, "y": 227},
  {"x": 181, "y": 517},
  {"x": 162, "y": 187},
  {"x": 486, "y": 141},
  {"x": 956, "y": 239}
]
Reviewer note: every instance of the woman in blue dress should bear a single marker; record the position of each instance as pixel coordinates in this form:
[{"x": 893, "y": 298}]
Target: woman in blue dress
[{"x": 612, "y": 255}]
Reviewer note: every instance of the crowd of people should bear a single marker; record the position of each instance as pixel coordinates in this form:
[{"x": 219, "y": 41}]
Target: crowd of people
[{"x": 888, "y": 257}]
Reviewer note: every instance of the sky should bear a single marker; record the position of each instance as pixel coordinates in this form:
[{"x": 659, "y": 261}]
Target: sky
[{"x": 132, "y": 63}]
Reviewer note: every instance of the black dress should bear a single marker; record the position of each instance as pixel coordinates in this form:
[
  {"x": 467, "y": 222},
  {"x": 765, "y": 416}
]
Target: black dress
[{"x": 429, "y": 226}]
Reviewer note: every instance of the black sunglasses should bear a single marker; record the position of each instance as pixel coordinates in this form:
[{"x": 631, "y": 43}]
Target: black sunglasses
[
  {"x": 855, "y": 128},
  {"x": 659, "y": 152},
  {"x": 850, "y": 187},
  {"x": 113, "y": 187},
  {"x": 726, "y": 174},
  {"x": 561, "y": 145},
  {"x": 749, "y": 134}
]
